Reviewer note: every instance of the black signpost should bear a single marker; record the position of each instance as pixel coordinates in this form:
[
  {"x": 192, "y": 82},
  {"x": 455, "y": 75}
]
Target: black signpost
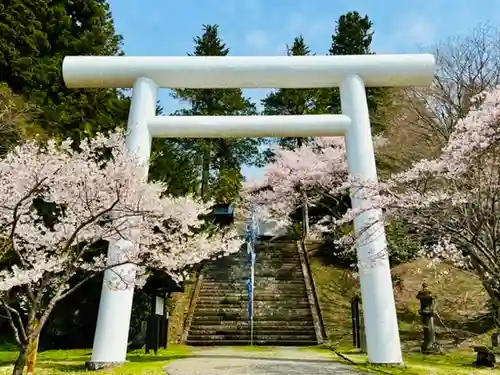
[{"x": 158, "y": 287}]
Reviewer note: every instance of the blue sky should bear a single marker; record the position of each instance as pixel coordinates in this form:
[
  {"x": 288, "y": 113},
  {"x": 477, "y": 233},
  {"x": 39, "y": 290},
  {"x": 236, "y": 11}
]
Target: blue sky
[{"x": 259, "y": 27}]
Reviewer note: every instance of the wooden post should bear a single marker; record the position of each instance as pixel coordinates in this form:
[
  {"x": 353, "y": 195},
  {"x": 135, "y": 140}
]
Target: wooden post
[
  {"x": 32, "y": 352},
  {"x": 362, "y": 333},
  {"x": 355, "y": 318}
]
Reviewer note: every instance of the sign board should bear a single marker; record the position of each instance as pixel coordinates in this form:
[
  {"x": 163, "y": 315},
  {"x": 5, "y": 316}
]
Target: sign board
[{"x": 159, "y": 305}]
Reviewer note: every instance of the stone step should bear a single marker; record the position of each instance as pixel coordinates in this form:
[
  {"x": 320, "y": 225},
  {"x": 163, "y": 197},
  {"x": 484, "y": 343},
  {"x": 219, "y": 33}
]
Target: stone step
[
  {"x": 256, "y": 297},
  {"x": 260, "y": 280},
  {"x": 216, "y": 318},
  {"x": 247, "y": 342},
  {"x": 265, "y": 264},
  {"x": 280, "y": 313},
  {"x": 258, "y": 327},
  {"x": 260, "y": 308},
  {"x": 269, "y": 289},
  {"x": 257, "y": 303},
  {"x": 258, "y": 294},
  {"x": 306, "y": 331},
  {"x": 257, "y": 337},
  {"x": 267, "y": 277},
  {"x": 288, "y": 246},
  {"x": 268, "y": 286},
  {"x": 267, "y": 299},
  {"x": 244, "y": 324},
  {"x": 275, "y": 249},
  {"x": 259, "y": 274},
  {"x": 292, "y": 258},
  {"x": 263, "y": 287},
  {"x": 275, "y": 264},
  {"x": 278, "y": 257},
  {"x": 280, "y": 252},
  {"x": 243, "y": 317}
]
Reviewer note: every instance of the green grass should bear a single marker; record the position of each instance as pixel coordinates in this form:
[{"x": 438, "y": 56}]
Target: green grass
[
  {"x": 460, "y": 322},
  {"x": 459, "y": 295},
  {"x": 56, "y": 362},
  {"x": 459, "y": 362}
]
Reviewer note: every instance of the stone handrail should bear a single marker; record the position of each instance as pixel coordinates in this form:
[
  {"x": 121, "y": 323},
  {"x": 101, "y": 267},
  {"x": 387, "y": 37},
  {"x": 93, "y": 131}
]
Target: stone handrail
[
  {"x": 312, "y": 295},
  {"x": 192, "y": 304}
]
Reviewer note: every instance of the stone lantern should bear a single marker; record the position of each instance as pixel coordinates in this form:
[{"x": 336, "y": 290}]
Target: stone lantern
[{"x": 429, "y": 345}]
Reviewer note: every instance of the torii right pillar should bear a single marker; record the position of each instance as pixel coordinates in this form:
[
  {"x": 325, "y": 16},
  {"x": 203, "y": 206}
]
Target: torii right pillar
[{"x": 379, "y": 310}]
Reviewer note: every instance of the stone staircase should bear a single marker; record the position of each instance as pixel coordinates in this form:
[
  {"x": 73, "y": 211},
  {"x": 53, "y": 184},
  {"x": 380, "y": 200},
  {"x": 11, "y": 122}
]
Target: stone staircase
[{"x": 282, "y": 312}]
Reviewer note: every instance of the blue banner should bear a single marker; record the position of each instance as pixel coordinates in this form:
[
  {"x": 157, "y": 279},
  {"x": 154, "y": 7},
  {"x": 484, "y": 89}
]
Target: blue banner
[
  {"x": 252, "y": 235},
  {"x": 250, "y": 300}
]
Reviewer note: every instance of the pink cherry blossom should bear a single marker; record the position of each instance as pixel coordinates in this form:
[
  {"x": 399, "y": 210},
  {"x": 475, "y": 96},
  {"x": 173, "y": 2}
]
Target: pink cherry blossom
[
  {"x": 96, "y": 194},
  {"x": 452, "y": 203}
]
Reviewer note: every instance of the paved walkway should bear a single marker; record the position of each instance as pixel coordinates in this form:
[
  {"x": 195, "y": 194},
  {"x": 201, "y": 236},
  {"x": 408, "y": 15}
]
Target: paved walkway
[{"x": 275, "y": 361}]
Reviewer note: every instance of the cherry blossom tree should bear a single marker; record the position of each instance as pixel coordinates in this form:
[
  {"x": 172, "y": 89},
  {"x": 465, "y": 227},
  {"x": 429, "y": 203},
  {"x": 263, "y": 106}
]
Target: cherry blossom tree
[
  {"x": 453, "y": 201},
  {"x": 303, "y": 178},
  {"x": 58, "y": 206}
]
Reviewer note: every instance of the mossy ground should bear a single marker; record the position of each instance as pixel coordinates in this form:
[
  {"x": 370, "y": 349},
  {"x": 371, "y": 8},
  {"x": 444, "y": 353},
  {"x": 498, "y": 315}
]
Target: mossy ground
[{"x": 461, "y": 319}]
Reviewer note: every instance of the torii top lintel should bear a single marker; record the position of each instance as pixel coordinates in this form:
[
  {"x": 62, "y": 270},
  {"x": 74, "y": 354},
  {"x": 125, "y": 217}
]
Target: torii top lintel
[{"x": 248, "y": 71}]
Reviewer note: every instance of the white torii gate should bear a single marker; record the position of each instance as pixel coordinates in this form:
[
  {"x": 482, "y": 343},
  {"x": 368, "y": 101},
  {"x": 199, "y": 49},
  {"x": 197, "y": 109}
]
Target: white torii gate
[{"x": 351, "y": 73}]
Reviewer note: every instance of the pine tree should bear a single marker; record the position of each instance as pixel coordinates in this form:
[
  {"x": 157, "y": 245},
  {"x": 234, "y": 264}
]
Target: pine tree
[
  {"x": 36, "y": 36},
  {"x": 353, "y": 36},
  {"x": 221, "y": 158},
  {"x": 292, "y": 101}
]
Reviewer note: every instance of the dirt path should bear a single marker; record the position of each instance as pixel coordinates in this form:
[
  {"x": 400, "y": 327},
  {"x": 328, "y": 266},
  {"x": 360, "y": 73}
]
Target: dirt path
[{"x": 273, "y": 361}]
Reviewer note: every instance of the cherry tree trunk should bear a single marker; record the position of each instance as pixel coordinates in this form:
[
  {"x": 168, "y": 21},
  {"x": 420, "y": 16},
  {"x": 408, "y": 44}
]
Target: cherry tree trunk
[
  {"x": 205, "y": 174},
  {"x": 21, "y": 361},
  {"x": 32, "y": 353}
]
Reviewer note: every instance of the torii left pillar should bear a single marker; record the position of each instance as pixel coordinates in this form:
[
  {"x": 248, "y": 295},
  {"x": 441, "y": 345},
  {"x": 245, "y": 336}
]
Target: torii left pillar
[{"x": 115, "y": 306}]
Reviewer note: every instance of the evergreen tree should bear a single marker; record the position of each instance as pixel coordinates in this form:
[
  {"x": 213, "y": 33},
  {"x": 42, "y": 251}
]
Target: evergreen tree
[
  {"x": 175, "y": 162},
  {"x": 36, "y": 36},
  {"x": 221, "y": 158},
  {"x": 292, "y": 101},
  {"x": 353, "y": 36},
  {"x": 16, "y": 120}
]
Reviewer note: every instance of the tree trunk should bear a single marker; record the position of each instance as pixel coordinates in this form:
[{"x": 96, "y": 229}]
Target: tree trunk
[
  {"x": 205, "y": 173},
  {"x": 21, "y": 361},
  {"x": 32, "y": 353}
]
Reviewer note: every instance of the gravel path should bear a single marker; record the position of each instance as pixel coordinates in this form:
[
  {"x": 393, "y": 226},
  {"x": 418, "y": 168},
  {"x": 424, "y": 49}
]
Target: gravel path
[{"x": 275, "y": 361}]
